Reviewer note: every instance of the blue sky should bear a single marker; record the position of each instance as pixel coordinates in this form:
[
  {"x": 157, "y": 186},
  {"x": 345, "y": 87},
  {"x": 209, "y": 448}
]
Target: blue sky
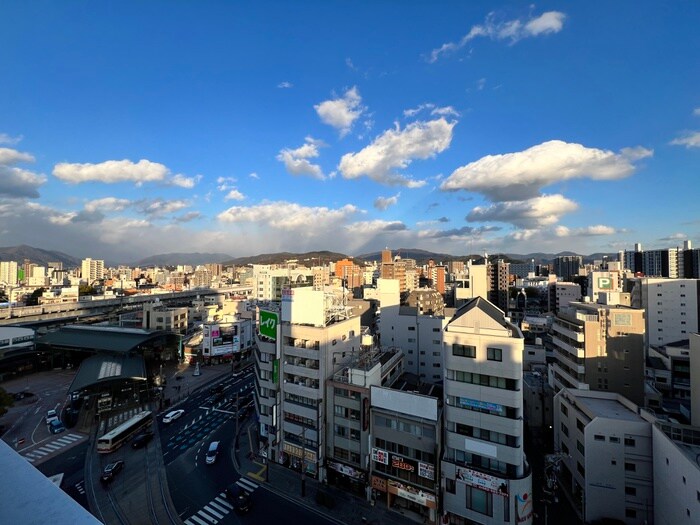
[{"x": 138, "y": 128}]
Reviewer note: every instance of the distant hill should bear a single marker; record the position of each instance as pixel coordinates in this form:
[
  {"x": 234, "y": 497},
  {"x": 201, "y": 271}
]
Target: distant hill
[
  {"x": 410, "y": 253},
  {"x": 305, "y": 259},
  {"x": 37, "y": 256},
  {"x": 173, "y": 259}
]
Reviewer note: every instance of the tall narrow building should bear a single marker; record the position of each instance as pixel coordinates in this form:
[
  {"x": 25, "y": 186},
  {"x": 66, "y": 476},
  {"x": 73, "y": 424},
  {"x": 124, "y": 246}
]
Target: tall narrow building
[{"x": 487, "y": 479}]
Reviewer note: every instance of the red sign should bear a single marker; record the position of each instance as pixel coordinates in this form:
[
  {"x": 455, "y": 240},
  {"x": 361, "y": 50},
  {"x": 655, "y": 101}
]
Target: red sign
[{"x": 401, "y": 463}]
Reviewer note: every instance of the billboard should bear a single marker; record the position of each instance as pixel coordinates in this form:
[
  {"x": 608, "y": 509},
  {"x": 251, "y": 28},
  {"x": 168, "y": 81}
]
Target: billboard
[
  {"x": 220, "y": 339},
  {"x": 268, "y": 324}
]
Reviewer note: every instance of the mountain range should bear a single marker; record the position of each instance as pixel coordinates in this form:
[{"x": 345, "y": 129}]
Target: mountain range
[{"x": 43, "y": 257}]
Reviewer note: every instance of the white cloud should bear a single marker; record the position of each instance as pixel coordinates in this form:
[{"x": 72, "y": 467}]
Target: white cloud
[
  {"x": 382, "y": 203},
  {"x": 296, "y": 160},
  {"x": 288, "y": 215},
  {"x": 160, "y": 207},
  {"x": 414, "y": 111},
  {"x": 285, "y": 85},
  {"x": 17, "y": 182},
  {"x": 187, "y": 217},
  {"x": 185, "y": 182},
  {"x": 234, "y": 195},
  {"x": 465, "y": 232},
  {"x": 253, "y": 175},
  {"x": 447, "y": 111},
  {"x": 396, "y": 149},
  {"x": 10, "y": 156},
  {"x": 521, "y": 175},
  {"x": 111, "y": 171},
  {"x": 511, "y": 30},
  {"x": 531, "y": 213},
  {"x": 690, "y": 139},
  {"x": 375, "y": 227},
  {"x": 696, "y": 112},
  {"x": 341, "y": 113},
  {"x": 587, "y": 231},
  {"x": 224, "y": 180},
  {"x": 7, "y": 139},
  {"x": 107, "y": 204}
]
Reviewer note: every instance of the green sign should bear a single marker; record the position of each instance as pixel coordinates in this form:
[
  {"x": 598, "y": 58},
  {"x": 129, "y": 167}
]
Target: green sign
[
  {"x": 268, "y": 324},
  {"x": 276, "y": 371}
]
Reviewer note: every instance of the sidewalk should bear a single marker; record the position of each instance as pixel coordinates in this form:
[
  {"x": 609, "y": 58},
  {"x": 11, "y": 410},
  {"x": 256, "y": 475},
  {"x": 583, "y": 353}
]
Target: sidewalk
[
  {"x": 348, "y": 508},
  {"x": 190, "y": 383}
]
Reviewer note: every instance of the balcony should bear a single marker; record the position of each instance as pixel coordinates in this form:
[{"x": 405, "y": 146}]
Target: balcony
[
  {"x": 565, "y": 331},
  {"x": 301, "y": 370},
  {"x": 578, "y": 352}
]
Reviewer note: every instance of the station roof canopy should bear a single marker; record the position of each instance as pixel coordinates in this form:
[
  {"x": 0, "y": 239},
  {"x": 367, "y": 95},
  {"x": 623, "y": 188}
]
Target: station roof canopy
[
  {"x": 102, "y": 368},
  {"x": 100, "y": 338}
]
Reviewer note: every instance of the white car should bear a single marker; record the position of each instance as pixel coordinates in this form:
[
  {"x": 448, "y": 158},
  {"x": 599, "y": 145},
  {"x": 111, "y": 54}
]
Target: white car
[
  {"x": 51, "y": 415},
  {"x": 172, "y": 416}
]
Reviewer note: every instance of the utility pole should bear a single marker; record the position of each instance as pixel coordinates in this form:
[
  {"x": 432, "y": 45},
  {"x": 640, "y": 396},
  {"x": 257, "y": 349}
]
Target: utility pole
[{"x": 235, "y": 436}]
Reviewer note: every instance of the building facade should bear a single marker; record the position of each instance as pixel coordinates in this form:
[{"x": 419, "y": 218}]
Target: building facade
[{"x": 487, "y": 478}]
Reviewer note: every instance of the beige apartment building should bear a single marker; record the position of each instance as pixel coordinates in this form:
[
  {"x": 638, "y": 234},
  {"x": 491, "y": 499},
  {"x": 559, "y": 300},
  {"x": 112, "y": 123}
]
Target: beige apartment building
[{"x": 600, "y": 347}]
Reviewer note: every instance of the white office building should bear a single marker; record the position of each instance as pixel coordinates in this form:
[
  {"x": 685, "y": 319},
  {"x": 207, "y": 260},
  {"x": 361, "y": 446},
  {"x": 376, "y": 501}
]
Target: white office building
[
  {"x": 605, "y": 447},
  {"x": 486, "y": 477},
  {"x": 671, "y": 306}
]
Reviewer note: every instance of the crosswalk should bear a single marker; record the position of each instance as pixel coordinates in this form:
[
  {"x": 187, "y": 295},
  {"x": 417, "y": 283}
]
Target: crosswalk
[
  {"x": 219, "y": 507},
  {"x": 55, "y": 445},
  {"x": 80, "y": 487}
]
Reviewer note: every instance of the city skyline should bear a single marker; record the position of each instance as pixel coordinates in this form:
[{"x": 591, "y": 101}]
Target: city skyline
[{"x": 141, "y": 129}]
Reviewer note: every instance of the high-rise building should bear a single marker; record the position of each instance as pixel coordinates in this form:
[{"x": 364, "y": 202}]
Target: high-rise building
[
  {"x": 600, "y": 347},
  {"x": 92, "y": 270},
  {"x": 8, "y": 273},
  {"x": 316, "y": 336},
  {"x": 498, "y": 275},
  {"x": 566, "y": 267},
  {"x": 487, "y": 479}
]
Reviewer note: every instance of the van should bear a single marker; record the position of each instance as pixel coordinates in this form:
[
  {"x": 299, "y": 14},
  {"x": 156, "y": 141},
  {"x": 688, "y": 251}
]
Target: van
[{"x": 212, "y": 452}]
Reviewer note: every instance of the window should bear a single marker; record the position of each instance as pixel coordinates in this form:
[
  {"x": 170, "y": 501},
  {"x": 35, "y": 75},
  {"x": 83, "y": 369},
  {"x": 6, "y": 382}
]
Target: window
[
  {"x": 436, "y": 329},
  {"x": 411, "y": 328},
  {"x": 580, "y": 469},
  {"x": 580, "y": 425},
  {"x": 494, "y": 354},
  {"x": 436, "y": 354},
  {"x": 629, "y": 442},
  {"x": 565, "y": 429},
  {"x": 411, "y": 339},
  {"x": 630, "y": 467},
  {"x": 436, "y": 341},
  {"x": 436, "y": 365},
  {"x": 450, "y": 485},
  {"x": 599, "y": 437},
  {"x": 564, "y": 448},
  {"x": 580, "y": 447},
  {"x": 614, "y": 439},
  {"x": 463, "y": 350},
  {"x": 564, "y": 409},
  {"x": 479, "y": 500}
]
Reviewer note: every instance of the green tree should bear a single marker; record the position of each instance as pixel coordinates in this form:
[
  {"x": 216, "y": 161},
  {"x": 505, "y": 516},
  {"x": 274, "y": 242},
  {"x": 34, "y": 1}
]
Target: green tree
[
  {"x": 86, "y": 289},
  {"x": 34, "y": 298}
]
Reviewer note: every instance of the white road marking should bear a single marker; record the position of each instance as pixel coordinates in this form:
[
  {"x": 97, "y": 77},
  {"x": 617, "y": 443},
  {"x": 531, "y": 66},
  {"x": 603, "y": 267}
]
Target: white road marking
[
  {"x": 246, "y": 484},
  {"x": 218, "y": 507},
  {"x": 223, "y": 502},
  {"x": 199, "y": 521},
  {"x": 213, "y": 512},
  {"x": 207, "y": 516}
]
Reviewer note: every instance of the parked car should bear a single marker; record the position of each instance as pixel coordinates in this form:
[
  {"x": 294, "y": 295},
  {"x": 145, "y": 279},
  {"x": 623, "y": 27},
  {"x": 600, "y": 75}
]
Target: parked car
[
  {"x": 142, "y": 439},
  {"x": 212, "y": 452},
  {"x": 111, "y": 470},
  {"x": 51, "y": 415},
  {"x": 56, "y": 427},
  {"x": 172, "y": 415},
  {"x": 242, "y": 502}
]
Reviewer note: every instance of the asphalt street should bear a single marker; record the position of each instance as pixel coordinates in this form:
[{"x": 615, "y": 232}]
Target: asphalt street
[{"x": 70, "y": 464}]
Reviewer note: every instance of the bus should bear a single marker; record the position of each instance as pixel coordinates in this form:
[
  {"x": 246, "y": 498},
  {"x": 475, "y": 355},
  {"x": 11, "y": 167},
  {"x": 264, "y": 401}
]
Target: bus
[{"x": 115, "y": 438}]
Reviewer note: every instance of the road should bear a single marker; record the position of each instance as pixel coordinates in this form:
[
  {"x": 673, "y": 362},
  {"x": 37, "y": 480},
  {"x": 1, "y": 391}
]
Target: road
[{"x": 70, "y": 464}]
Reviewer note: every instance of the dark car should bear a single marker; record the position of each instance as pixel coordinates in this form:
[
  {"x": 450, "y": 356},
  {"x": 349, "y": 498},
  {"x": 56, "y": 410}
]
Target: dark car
[
  {"x": 242, "y": 502},
  {"x": 142, "y": 439},
  {"x": 111, "y": 470}
]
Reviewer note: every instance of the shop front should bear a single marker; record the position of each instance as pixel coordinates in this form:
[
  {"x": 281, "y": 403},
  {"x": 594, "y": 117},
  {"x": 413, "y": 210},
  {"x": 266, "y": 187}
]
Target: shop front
[
  {"x": 406, "y": 497},
  {"x": 347, "y": 477}
]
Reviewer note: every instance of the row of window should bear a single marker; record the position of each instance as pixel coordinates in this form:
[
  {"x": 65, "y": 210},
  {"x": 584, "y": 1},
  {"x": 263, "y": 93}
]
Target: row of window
[
  {"x": 482, "y": 379},
  {"x": 483, "y": 434},
  {"x": 462, "y": 457},
  {"x": 300, "y": 400},
  {"x": 403, "y": 450},
  {"x": 492, "y": 353},
  {"x": 344, "y": 392},
  {"x": 404, "y": 426},
  {"x": 348, "y": 433},
  {"x": 483, "y": 407}
]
